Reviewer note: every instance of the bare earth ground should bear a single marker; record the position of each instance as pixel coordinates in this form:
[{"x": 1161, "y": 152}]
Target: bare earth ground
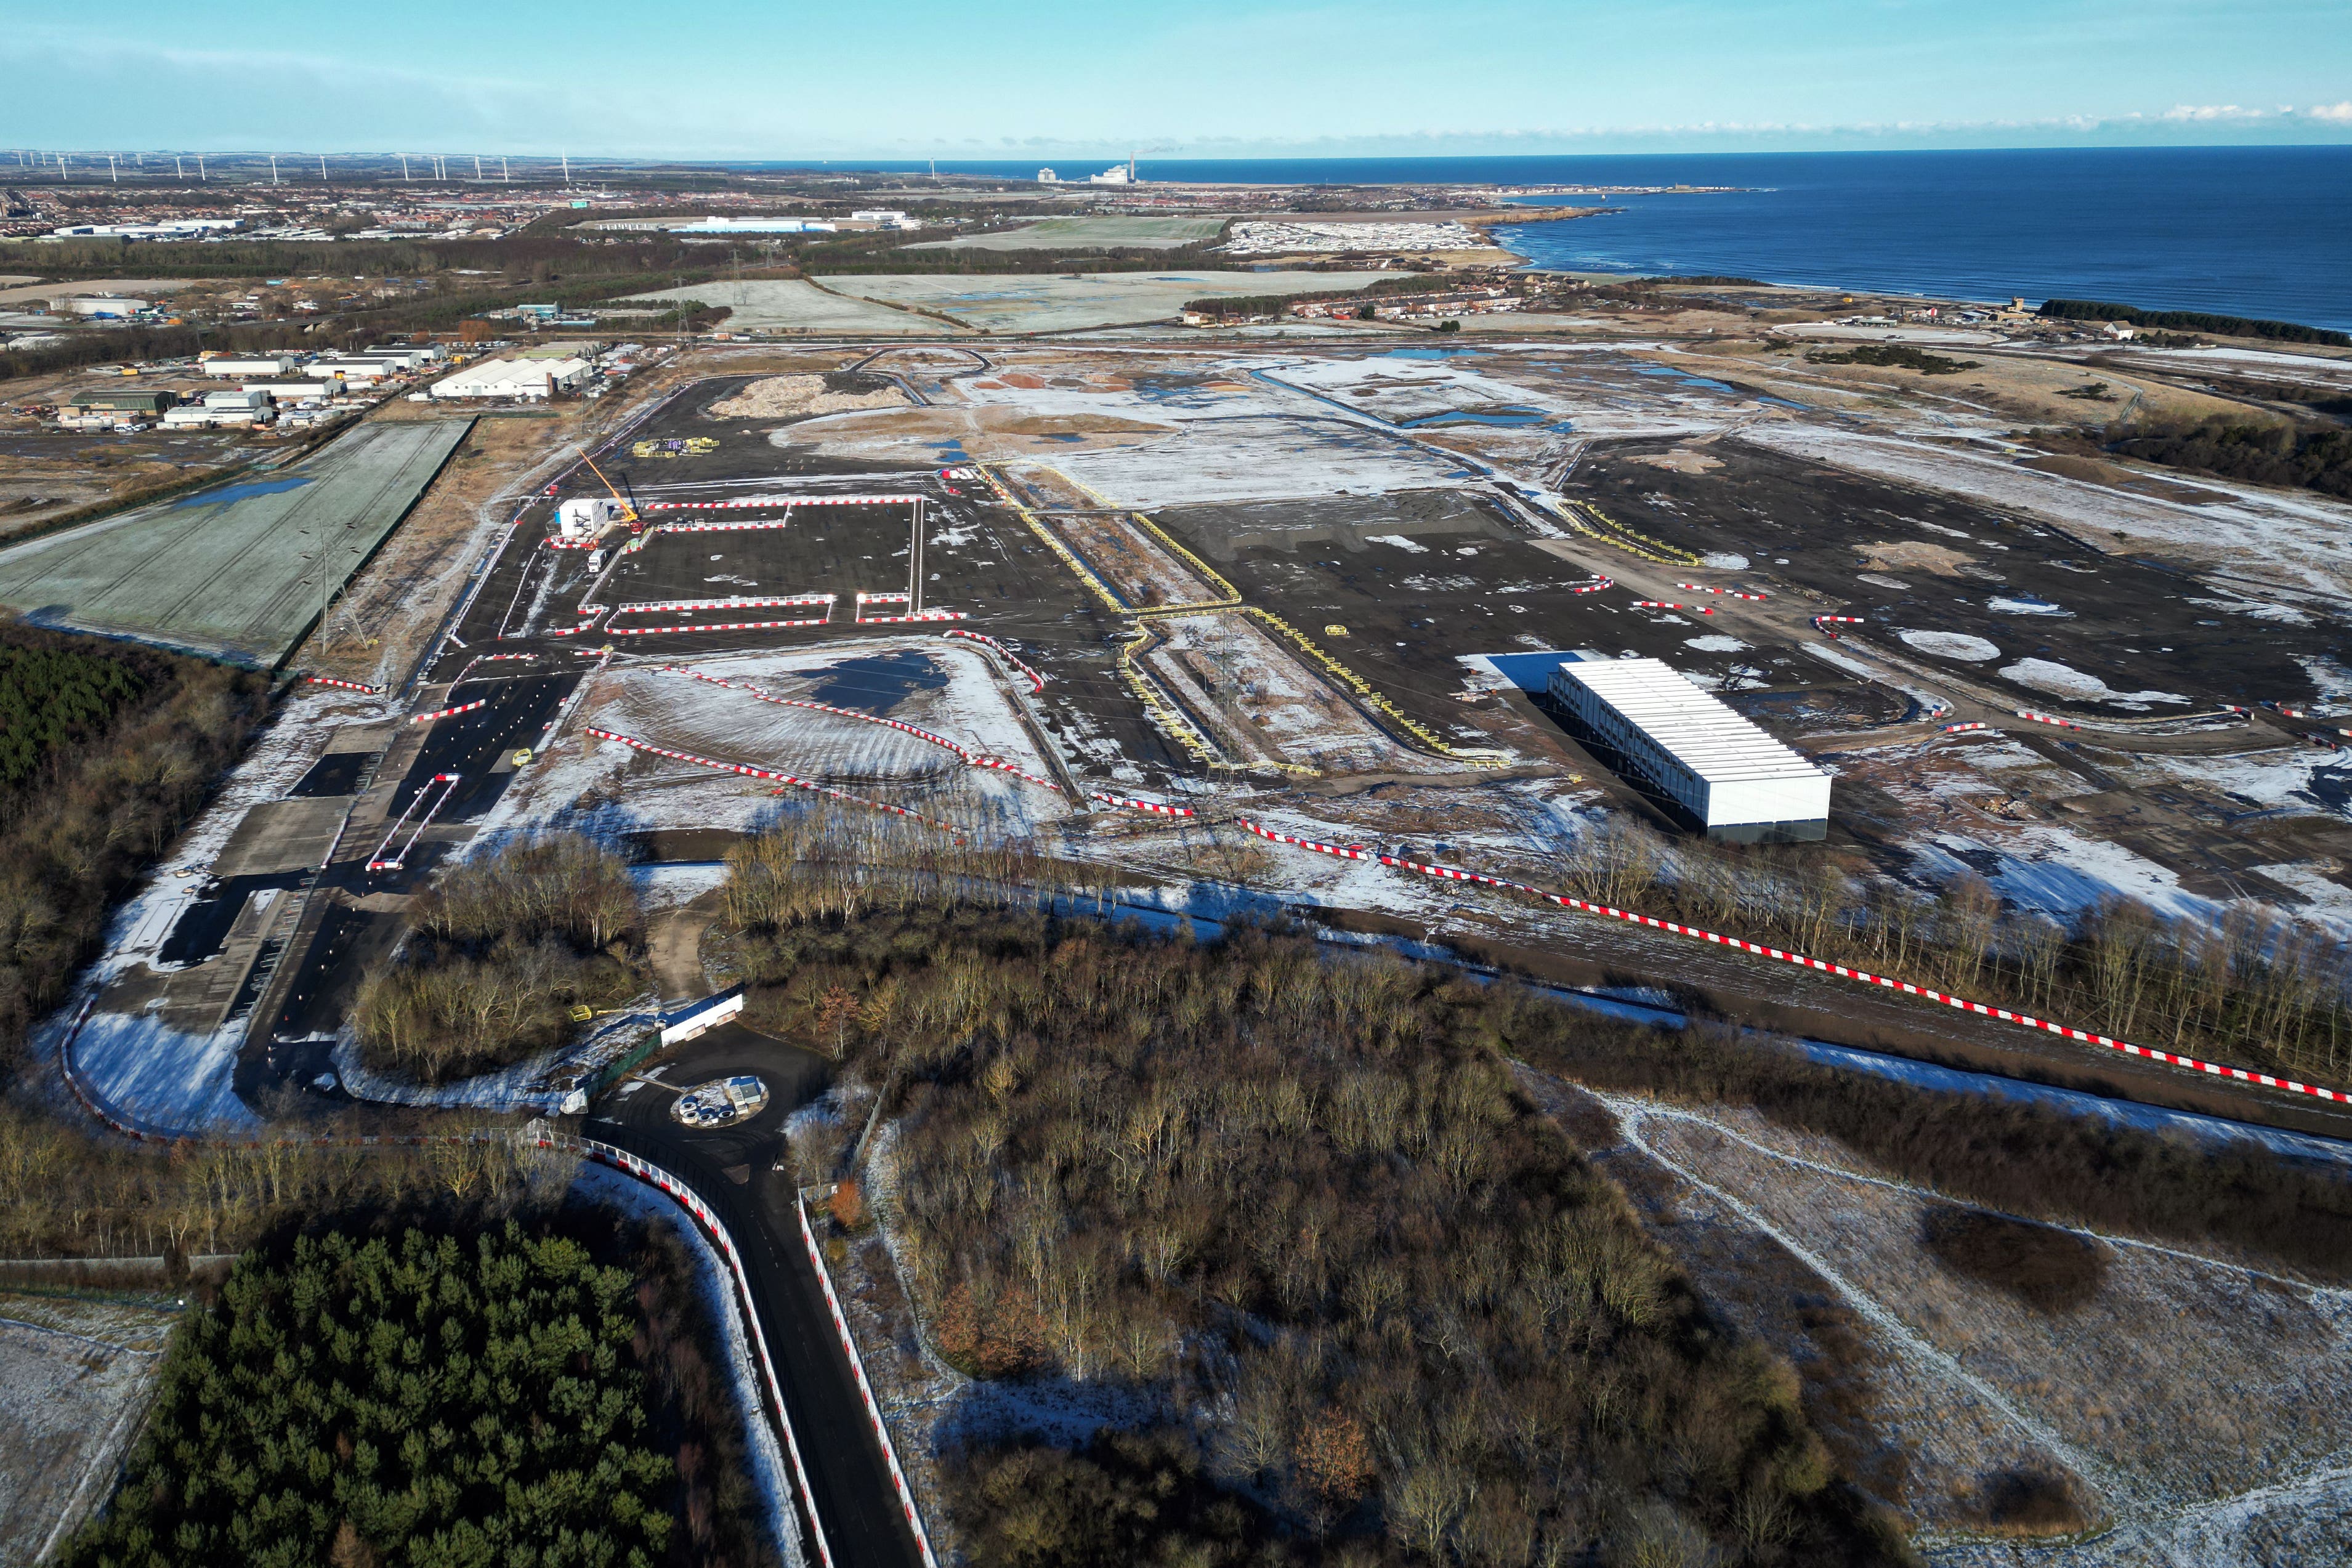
[
  {"x": 75, "y": 1375},
  {"x": 2195, "y": 1404}
]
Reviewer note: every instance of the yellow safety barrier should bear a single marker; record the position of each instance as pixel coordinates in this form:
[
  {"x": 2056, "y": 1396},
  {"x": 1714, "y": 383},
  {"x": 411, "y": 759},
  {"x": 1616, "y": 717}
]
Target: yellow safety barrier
[
  {"x": 1069, "y": 558},
  {"x": 1178, "y": 728},
  {"x": 1370, "y": 696},
  {"x": 1614, "y": 532}
]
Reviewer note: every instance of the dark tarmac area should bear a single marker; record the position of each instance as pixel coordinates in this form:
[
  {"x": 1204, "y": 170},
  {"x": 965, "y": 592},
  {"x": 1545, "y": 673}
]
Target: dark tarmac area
[
  {"x": 736, "y": 1171},
  {"x": 2127, "y": 621},
  {"x": 1469, "y": 579},
  {"x": 977, "y": 558}
]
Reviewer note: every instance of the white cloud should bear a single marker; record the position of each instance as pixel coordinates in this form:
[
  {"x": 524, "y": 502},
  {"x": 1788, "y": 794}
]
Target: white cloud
[
  {"x": 2334, "y": 113},
  {"x": 2210, "y": 111}
]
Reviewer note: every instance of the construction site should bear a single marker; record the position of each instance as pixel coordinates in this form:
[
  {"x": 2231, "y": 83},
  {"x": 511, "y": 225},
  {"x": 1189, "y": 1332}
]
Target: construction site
[{"x": 1230, "y": 632}]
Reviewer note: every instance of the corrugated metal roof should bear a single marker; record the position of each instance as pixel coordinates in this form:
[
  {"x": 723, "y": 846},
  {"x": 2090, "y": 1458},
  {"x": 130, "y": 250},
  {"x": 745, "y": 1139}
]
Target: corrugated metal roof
[{"x": 1710, "y": 740}]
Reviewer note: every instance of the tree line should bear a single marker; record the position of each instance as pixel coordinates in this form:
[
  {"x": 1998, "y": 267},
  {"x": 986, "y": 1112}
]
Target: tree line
[
  {"x": 436, "y": 1394},
  {"x": 2193, "y": 321},
  {"x": 2265, "y": 454},
  {"x": 501, "y": 950},
  {"x": 2257, "y": 987},
  {"x": 1384, "y": 1307},
  {"x": 102, "y": 796}
]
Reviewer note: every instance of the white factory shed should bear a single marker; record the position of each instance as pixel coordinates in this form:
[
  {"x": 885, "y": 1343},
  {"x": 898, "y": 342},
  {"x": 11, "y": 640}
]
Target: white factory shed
[
  {"x": 533, "y": 379},
  {"x": 1738, "y": 782},
  {"x": 249, "y": 369}
]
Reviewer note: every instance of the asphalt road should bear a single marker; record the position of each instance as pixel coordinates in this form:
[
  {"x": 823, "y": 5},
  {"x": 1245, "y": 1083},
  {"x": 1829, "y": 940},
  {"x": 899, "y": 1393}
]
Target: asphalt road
[{"x": 733, "y": 1171}]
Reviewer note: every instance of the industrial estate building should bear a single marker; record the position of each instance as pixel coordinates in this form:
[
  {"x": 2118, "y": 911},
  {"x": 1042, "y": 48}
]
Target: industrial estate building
[
  {"x": 1672, "y": 739},
  {"x": 531, "y": 380}
]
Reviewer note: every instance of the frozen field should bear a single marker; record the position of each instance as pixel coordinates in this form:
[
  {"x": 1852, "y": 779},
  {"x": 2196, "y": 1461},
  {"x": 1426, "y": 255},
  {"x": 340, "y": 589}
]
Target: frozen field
[
  {"x": 1057, "y": 304},
  {"x": 1088, "y": 234},
  {"x": 70, "y": 1397},
  {"x": 2158, "y": 1387},
  {"x": 233, "y": 571},
  {"x": 791, "y": 305},
  {"x": 936, "y": 684}
]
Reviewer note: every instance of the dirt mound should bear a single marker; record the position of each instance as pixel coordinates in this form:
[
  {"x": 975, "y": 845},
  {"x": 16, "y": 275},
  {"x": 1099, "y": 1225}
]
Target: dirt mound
[
  {"x": 791, "y": 396},
  {"x": 1913, "y": 555}
]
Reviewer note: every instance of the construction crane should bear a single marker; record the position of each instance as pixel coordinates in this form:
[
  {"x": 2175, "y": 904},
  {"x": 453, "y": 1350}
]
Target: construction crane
[{"x": 628, "y": 508}]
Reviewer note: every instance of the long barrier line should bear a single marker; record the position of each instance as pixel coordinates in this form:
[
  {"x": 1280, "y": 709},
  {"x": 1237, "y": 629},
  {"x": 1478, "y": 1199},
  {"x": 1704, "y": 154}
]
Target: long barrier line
[
  {"x": 873, "y": 1407},
  {"x": 1843, "y": 971},
  {"x": 750, "y": 771},
  {"x": 970, "y": 757},
  {"x": 1036, "y": 681}
]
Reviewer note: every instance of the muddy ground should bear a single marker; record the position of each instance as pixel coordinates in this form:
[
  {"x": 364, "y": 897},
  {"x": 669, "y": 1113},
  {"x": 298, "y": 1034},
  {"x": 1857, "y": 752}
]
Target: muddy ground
[{"x": 1911, "y": 561}]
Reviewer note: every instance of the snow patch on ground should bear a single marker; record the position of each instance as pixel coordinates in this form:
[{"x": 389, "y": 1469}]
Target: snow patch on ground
[
  {"x": 1725, "y": 561},
  {"x": 1951, "y": 645},
  {"x": 1398, "y": 540},
  {"x": 2064, "y": 681},
  {"x": 1715, "y": 642}
]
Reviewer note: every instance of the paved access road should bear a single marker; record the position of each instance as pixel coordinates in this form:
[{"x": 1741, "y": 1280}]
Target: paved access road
[{"x": 734, "y": 1169}]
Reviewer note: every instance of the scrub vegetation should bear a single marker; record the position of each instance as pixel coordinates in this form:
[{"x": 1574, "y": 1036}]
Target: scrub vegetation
[
  {"x": 2269, "y": 454},
  {"x": 2255, "y": 988},
  {"x": 1387, "y": 1311},
  {"x": 431, "y": 1395},
  {"x": 107, "y": 751},
  {"x": 1894, "y": 356},
  {"x": 502, "y": 949}
]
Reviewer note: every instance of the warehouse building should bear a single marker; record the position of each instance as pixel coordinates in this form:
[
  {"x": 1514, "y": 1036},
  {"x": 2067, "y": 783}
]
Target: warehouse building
[
  {"x": 248, "y": 367},
  {"x": 1674, "y": 741},
  {"x": 531, "y": 379}
]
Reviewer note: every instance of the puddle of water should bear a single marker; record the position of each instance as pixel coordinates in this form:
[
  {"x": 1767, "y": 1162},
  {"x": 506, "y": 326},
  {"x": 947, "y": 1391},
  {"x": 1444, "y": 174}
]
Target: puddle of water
[
  {"x": 245, "y": 491},
  {"x": 876, "y": 683}
]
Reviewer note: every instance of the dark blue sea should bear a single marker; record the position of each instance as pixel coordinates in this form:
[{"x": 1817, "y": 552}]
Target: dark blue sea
[{"x": 2246, "y": 231}]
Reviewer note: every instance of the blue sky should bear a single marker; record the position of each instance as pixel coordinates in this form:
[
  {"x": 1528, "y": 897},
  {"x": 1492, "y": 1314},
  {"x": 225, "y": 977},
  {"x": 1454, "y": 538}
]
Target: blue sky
[{"x": 1199, "y": 78}]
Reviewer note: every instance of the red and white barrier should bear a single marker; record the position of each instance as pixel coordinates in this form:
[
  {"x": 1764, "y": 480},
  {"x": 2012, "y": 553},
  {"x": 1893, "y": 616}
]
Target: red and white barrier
[
  {"x": 712, "y": 627},
  {"x": 865, "y": 1389},
  {"x": 1662, "y": 605},
  {"x": 647, "y": 607},
  {"x": 750, "y": 771},
  {"x": 975, "y": 759},
  {"x": 448, "y": 712},
  {"x": 1843, "y": 971},
  {"x": 603, "y": 1154},
  {"x": 928, "y": 615},
  {"x": 2048, "y": 719},
  {"x": 1727, "y": 593},
  {"x": 1822, "y": 623},
  {"x": 743, "y": 503},
  {"x": 1036, "y": 681},
  {"x": 654, "y": 1175},
  {"x": 1968, "y": 729},
  {"x": 384, "y": 859},
  {"x": 345, "y": 685},
  {"x": 1595, "y": 586},
  {"x": 1151, "y": 806}
]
